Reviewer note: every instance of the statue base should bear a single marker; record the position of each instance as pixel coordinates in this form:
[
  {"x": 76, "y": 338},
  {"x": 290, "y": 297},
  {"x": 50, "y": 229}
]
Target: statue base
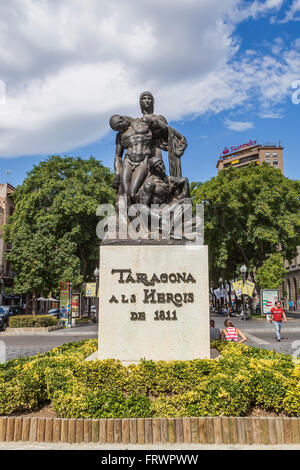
[{"x": 154, "y": 302}]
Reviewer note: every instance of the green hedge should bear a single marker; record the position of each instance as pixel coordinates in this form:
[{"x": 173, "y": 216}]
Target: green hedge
[
  {"x": 32, "y": 321},
  {"x": 244, "y": 377}
]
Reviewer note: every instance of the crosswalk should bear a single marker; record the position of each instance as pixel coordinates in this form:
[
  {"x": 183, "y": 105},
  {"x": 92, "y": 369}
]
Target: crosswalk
[{"x": 256, "y": 340}]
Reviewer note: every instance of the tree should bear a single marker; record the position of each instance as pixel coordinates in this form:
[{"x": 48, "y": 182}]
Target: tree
[
  {"x": 250, "y": 214},
  {"x": 272, "y": 273},
  {"x": 53, "y": 229}
]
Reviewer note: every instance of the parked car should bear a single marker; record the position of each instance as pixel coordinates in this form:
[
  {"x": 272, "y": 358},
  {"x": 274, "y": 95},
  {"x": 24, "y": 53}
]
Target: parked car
[
  {"x": 56, "y": 312},
  {"x": 6, "y": 311}
]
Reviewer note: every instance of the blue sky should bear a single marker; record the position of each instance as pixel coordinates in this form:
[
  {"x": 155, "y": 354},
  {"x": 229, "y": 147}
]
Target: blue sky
[{"x": 221, "y": 73}]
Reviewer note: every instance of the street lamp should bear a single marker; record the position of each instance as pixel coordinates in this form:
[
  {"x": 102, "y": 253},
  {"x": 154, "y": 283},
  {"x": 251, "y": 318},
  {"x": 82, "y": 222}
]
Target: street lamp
[
  {"x": 70, "y": 307},
  {"x": 96, "y": 274},
  {"x": 243, "y": 270},
  {"x": 220, "y": 291}
]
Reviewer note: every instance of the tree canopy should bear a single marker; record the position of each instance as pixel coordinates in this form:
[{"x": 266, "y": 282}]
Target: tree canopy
[
  {"x": 52, "y": 232},
  {"x": 272, "y": 273},
  {"x": 250, "y": 214}
]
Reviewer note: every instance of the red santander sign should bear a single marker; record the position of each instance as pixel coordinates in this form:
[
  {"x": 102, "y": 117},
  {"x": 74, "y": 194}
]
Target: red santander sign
[{"x": 239, "y": 147}]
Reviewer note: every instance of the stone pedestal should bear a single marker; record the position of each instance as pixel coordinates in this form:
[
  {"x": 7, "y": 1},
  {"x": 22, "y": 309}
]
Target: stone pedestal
[{"x": 154, "y": 303}]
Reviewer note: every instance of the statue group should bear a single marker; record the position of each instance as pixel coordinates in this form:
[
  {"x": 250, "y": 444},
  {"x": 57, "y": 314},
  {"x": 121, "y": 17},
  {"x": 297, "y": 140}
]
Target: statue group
[{"x": 140, "y": 174}]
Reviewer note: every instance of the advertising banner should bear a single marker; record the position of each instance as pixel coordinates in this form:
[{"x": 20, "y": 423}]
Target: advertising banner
[
  {"x": 219, "y": 293},
  {"x": 269, "y": 297},
  {"x": 90, "y": 289},
  {"x": 238, "y": 287},
  {"x": 248, "y": 288},
  {"x": 76, "y": 305},
  {"x": 64, "y": 294}
]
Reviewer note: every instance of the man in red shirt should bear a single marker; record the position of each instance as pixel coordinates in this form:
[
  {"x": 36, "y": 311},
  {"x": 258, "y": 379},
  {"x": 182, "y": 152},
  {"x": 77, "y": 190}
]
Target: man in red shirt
[{"x": 277, "y": 314}]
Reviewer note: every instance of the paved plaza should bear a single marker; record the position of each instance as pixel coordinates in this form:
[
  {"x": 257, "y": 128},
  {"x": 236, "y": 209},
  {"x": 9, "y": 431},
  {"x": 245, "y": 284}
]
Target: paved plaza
[
  {"x": 259, "y": 333},
  {"x": 16, "y": 346}
]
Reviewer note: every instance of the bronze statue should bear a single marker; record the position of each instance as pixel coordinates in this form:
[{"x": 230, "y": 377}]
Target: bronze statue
[
  {"x": 140, "y": 176},
  {"x": 162, "y": 189},
  {"x": 172, "y": 140},
  {"x": 137, "y": 137}
]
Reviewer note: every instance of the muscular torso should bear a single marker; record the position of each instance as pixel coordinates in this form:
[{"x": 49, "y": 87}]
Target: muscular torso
[{"x": 137, "y": 141}]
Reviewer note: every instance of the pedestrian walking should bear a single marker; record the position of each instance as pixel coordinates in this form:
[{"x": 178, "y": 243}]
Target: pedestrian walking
[
  {"x": 277, "y": 315},
  {"x": 215, "y": 333},
  {"x": 231, "y": 333},
  {"x": 290, "y": 306}
]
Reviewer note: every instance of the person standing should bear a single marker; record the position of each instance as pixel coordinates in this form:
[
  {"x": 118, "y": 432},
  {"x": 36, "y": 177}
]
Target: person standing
[{"x": 277, "y": 315}]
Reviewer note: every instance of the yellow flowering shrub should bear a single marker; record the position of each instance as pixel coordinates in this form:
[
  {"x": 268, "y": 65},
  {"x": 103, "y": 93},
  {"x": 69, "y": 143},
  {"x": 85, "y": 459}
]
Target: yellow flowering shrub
[{"x": 242, "y": 378}]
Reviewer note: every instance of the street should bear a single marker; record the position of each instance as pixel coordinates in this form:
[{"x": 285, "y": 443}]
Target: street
[
  {"x": 16, "y": 346},
  {"x": 259, "y": 333}
]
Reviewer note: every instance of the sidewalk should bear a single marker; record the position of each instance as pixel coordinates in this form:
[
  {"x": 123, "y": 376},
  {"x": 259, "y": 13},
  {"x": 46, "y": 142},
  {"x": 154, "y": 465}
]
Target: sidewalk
[
  {"x": 82, "y": 329},
  {"x": 77, "y": 330},
  {"x": 260, "y": 325}
]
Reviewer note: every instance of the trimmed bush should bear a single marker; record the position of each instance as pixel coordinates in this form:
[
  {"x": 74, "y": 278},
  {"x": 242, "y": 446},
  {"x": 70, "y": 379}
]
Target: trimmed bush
[
  {"x": 32, "y": 321},
  {"x": 22, "y": 380},
  {"x": 244, "y": 377}
]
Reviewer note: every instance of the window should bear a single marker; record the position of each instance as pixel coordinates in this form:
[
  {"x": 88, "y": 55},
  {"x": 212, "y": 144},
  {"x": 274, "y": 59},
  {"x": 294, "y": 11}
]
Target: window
[
  {"x": 275, "y": 162},
  {"x": 267, "y": 155},
  {"x": 251, "y": 158},
  {"x": 275, "y": 154}
]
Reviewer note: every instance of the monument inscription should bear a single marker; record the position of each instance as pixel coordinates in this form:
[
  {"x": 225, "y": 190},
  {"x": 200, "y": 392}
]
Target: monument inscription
[{"x": 160, "y": 315}]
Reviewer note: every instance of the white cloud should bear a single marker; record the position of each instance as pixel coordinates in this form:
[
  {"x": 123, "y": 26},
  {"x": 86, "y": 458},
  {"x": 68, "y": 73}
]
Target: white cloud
[
  {"x": 256, "y": 8},
  {"x": 69, "y": 65},
  {"x": 238, "y": 125},
  {"x": 293, "y": 12}
]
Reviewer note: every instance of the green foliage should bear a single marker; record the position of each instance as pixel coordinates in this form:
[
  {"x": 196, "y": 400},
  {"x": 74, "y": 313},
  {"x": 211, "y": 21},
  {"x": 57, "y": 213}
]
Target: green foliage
[
  {"x": 250, "y": 214},
  {"x": 244, "y": 377},
  {"x": 53, "y": 229},
  {"x": 32, "y": 321},
  {"x": 272, "y": 273},
  {"x": 23, "y": 380}
]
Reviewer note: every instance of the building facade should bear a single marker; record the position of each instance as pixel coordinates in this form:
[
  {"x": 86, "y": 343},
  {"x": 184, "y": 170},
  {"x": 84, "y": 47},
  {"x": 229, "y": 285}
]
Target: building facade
[
  {"x": 290, "y": 290},
  {"x": 6, "y": 271},
  {"x": 251, "y": 152},
  {"x": 272, "y": 154}
]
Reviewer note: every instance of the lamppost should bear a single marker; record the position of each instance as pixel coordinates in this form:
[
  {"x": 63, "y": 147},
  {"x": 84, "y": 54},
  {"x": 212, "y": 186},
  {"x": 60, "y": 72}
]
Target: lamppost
[
  {"x": 70, "y": 307},
  {"x": 243, "y": 270},
  {"x": 96, "y": 274},
  {"x": 220, "y": 289}
]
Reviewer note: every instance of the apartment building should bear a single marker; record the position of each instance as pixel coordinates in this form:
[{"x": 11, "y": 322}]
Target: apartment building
[
  {"x": 290, "y": 290},
  {"x": 6, "y": 270},
  {"x": 272, "y": 154},
  {"x": 251, "y": 152}
]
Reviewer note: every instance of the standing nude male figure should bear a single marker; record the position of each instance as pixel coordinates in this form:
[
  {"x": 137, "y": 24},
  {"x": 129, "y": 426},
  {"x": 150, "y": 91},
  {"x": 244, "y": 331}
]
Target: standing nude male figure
[{"x": 137, "y": 137}]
